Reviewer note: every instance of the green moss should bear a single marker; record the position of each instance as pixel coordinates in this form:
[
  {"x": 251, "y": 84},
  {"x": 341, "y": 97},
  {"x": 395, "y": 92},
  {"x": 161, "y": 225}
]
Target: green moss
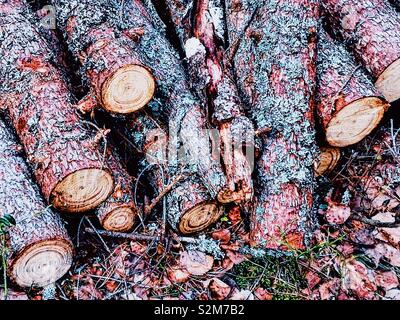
[{"x": 279, "y": 276}]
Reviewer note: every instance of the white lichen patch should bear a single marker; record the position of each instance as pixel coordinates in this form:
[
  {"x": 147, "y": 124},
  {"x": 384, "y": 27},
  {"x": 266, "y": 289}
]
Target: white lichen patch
[
  {"x": 217, "y": 17},
  {"x": 194, "y": 46}
]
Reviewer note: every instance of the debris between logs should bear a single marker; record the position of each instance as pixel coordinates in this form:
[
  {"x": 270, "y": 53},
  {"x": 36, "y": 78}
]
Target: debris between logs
[
  {"x": 371, "y": 29},
  {"x": 65, "y": 157},
  {"x": 203, "y": 39},
  {"x": 40, "y": 251}
]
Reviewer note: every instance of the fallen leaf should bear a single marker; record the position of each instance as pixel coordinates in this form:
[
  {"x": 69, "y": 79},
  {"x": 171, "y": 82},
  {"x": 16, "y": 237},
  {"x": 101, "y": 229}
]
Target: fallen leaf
[
  {"x": 177, "y": 275},
  {"x": 337, "y": 213},
  {"x": 235, "y": 257},
  {"x": 312, "y": 279},
  {"x": 388, "y": 217},
  {"x": 384, "y": 250},
  {"x": 262, "y": 294},
  {"x": 393, "y": 294},
  {"x": 361, "y": 233},
  {"x": 391, "y": 235},
  {"x": 196, "y": 262},
  {"x": 346, "y": 249},
  {"x": 358, "y": 279},
  {"x": 223, "y": 235},
  {"x": 13, "y": 295},
  {"x": 242, "y": 295},
  {"x": 387, "y": 280},
  {"x": 111, "y": 286},
  {"x": 219, "y": 290},
  {"x": 235, "y": 215},
  {"x": 329, "y": 290}
]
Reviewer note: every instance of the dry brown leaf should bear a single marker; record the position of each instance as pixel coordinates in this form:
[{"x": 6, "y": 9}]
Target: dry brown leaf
[
  {"x": 388, "y": 217},
  {"x": 387, "y": 280},
  {"x": 262, "y": 294},
  {"x": 219, "y": 290},
  {"x": 337, "y": 213},
  {"x": 235, "y": 215},
  {"x": 384, "y": 250},
  {"x": 235, "y": 257},
  {"x": 329, "y": 290},
  {"x": 223, "y": 235},
  {"x": 242, "y": 295},
  {"x": 358, "y": 279},
  {"x": 177, "y": 275},
  {"x": 196, "y": 262},
  {"x": 312, "y": 278},
  {"x": 391, "y": 235}
]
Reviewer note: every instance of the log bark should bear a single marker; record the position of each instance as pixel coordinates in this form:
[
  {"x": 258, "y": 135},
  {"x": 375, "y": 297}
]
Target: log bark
[
  {"x": 203, "y": 39},
  {"x": 65, "y": 157},
  {"x": 276, "y": 73},
  {"x": 189, "y": 206},
  {"x": 348, "y": 104},
  {"x": 39, "y": 249},
  {"x": 118, "y": 213},
  {"x": 371, "y": 29},
  {"x": 120, "y": 80},
  {"x": 176, "y": 106}
]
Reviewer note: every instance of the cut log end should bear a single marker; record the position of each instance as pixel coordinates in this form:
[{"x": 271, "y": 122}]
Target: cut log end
[
  {"x": 355, "y": 121},
  {"x": 227, "y": 196},
  {"x": 42, "y": 263},
  {"x": 327, "y": 161},
  {"x": 199, "y": 218},
  {"x": 388, "y": 82},
  {"x": 120, "y": 219},
  {"x": 128, "y": 90},
  {"x": 82, "y": 190}
]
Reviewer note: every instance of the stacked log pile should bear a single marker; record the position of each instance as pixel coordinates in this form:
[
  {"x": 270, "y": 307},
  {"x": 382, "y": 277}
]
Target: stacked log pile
[{"x": 226, "y": 108}]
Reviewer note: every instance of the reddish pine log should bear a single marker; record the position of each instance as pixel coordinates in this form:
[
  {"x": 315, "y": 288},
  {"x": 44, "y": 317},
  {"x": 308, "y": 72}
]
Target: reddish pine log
[
  {"x": 371, "y": 29},
  {"x": 175, "y": 106},
  {"x": 276, "y": 74},
  {"x": 40, "y": 251},
  {"x": 348, "y": 104},
  {"x": 64, "y": 156},
  {"x": 118, "y": 77},
  {"x": 189, "y": 206},
  {"x": 210, "y": 74}
]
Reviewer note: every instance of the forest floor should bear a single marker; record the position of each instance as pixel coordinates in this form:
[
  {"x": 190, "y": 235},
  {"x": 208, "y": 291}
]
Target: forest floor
[{"x": 349, "y": 259}]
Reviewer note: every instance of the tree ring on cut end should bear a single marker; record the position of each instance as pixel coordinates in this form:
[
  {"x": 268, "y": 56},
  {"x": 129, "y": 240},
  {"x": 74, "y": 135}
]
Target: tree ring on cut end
[
  {"x": 327, "y": 161},
  {"x": 388, "y": 82},
  {"x": 82, "y": 190},
  {"x": 200, "y": 217},
  {"x": 355, "y": 121},
  {"x": 128, "y": 90},
  {"x": 42, "y": 263},
  {"x": 227, "y": 196},
  {"x": 120, "y": 219}
]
